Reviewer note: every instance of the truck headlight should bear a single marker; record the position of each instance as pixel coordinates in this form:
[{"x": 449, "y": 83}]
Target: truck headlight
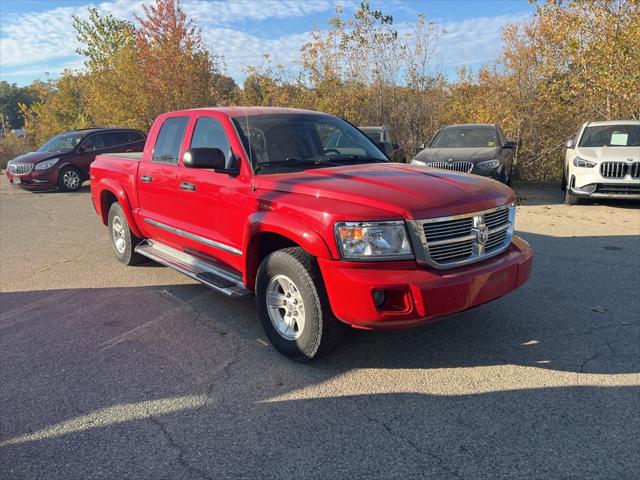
[
  {"x": 373, "y": 240},
  {"x": 46, "y": 164},
  {"x": 581, "y": 162},
  {"x": 489, "y": 164}
]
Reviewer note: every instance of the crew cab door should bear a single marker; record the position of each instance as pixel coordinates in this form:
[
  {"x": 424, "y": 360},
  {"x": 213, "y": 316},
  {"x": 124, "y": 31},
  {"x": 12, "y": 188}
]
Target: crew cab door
[
  {"x": 158, "y": 182},
  {"x": 209, "y": 202}
]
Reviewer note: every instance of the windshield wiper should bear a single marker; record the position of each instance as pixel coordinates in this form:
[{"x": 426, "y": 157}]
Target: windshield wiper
[
  {"x": 334, "y": 161},
  {"x": 358, "y": 158},
  {"x": 294, "y": 162}
]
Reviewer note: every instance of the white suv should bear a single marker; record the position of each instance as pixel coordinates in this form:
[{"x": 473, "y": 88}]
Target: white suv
[{"x": 603, "y": 161}]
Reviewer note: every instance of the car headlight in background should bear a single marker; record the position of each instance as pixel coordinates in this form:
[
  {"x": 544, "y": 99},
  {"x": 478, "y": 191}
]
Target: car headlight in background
[
  {"x": 581, "y": 162},
  {"x": 373, "y": 240},
  {"x": 488, "y": 164},
  {"x": 418, "y": 162},
  {"x": 46, "y": 164}
]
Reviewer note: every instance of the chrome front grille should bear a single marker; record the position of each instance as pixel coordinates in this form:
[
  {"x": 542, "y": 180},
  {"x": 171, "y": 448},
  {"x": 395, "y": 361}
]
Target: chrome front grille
[
  {"x": 19, "y": 168},
  {"x": 464, "y": 167},
  {"x": 614, "y": 169},
  {"x": 453, "y": 241},
  {"x": 635, "y": 170}
]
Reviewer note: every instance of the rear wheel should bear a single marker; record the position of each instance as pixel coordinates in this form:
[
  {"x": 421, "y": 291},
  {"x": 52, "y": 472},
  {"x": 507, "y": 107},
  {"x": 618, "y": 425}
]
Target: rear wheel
[
  {"x": 70, "y": 179},
  {"x": 293, "y": 305},
  {"x": 122, "y": 240}
]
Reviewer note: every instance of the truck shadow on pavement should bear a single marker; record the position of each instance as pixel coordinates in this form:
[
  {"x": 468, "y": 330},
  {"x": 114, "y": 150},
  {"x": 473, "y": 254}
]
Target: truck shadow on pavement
[{"x": 176, "y": 381}]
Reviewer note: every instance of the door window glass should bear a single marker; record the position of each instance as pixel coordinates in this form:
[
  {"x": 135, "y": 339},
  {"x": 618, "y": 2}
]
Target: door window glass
[
  {"x": 169, "y": 140},
  {"x": 94, "y": 142},
  {"x": 209, "y": 133}
]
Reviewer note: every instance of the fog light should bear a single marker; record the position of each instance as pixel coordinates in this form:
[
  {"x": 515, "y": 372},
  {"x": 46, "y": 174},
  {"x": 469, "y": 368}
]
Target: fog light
[{"x": 379, "y": 297}]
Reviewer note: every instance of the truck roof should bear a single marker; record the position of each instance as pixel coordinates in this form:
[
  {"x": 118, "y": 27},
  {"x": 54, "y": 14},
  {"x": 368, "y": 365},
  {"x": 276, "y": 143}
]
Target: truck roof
[{"x": 249, "y": 111}]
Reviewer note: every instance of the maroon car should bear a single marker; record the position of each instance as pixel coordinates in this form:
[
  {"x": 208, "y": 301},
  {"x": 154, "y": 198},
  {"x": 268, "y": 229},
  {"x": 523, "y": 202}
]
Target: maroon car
[{"x": 63, "y": 162}]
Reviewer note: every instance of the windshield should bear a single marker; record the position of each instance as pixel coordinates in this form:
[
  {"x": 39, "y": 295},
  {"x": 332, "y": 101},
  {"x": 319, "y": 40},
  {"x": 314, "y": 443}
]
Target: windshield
[
  {"x": 611, "y": 136},
  {"x": 374, "y": 135},
  {"x": 284, "y": 142},
  {"x": 465, "y": 137},
  {"x": 65, "y": 142}
]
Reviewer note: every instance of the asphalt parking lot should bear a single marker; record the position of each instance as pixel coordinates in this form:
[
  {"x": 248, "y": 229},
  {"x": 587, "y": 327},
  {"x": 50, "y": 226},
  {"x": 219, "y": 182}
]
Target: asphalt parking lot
[{"x": 111, "y": 372}]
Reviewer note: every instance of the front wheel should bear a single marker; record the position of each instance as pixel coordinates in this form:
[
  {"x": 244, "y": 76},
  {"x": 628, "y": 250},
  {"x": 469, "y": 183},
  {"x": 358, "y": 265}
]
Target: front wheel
[
  {"x": 570, "y": 198},
  {"x": 69, "y": 180},
  {"x": 122, "y": 240},
  {"x": 293, "y": 305}
]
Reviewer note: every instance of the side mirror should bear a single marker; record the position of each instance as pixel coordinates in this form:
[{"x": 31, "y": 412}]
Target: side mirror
[
  {"x": 211, "y": 158},
  {"x": 571, "y": 144},
  {"x": 510, "y": 144},
  {"x": 421, "y": 146}
]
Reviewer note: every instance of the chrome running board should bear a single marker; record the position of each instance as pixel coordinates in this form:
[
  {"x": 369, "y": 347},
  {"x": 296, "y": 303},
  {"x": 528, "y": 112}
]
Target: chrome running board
[{"x": 205, "y": 272}]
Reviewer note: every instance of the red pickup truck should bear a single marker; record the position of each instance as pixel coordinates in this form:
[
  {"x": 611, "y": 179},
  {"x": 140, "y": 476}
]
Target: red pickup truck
[{"x": 260, "y": 201}]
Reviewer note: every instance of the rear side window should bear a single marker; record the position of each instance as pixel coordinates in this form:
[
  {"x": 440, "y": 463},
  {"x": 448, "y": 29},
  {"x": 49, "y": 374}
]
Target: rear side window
[
  {"x": 169, "y": 140},
  {"x": 115, "y": 139},
  {"x": 133, "y": 137}
]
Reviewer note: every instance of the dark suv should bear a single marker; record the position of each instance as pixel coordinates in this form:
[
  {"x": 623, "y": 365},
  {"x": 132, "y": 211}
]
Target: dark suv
[
  {"x": 63, "y": 162},
  {"x": 481, "y": 149}
]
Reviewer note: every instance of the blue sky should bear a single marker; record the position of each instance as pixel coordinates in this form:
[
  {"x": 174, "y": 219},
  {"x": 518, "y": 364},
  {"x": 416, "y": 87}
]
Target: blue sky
[{"x": 36, "y": 36}]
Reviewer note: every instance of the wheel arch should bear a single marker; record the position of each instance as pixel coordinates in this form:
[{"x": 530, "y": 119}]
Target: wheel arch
[
  {"x": 263, "y": 238},
  {"x": 109, "y": 194}
]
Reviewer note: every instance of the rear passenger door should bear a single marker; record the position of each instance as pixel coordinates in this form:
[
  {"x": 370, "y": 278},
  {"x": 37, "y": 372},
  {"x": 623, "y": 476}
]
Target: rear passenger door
[{"x": 158, "y": 182}]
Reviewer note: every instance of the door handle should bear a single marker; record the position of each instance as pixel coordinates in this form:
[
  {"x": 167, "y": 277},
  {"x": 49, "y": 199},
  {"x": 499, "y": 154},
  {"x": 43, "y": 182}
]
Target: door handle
[
  {"x": 146, "y": 178},
  {"x": 188, "y": 186}
]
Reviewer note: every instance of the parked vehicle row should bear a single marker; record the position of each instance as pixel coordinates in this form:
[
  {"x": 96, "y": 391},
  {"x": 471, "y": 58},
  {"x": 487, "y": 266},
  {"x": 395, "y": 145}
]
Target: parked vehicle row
[
  {"x": 321, "y": 221},
  {"x": 326, "y": 234},
  {"x": 63, "y": 162}
]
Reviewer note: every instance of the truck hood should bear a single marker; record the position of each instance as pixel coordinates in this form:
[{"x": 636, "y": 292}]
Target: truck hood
[
  {"x": 473, "y": 154},
  {"x": 35, "y": 157},
  {"x": 609, "y": 154},
  {"x": 395, "y": 189}
]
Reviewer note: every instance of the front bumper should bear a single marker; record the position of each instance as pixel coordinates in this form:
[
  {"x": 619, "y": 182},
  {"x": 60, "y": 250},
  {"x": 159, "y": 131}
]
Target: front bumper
[
  {"x": 35, "y": 178},
  {"x": 421, "y": 295},
  {"x": 589, "y": 183}
]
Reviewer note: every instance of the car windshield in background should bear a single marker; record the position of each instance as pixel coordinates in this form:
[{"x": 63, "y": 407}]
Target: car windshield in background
[
  {"x": 285, "y": 142},
  {"x": 375, "y": 136},
  {"x": 461, "y": 137},
  {"x": 611, "y": 136},
  {"x": 65, "y": 142}
]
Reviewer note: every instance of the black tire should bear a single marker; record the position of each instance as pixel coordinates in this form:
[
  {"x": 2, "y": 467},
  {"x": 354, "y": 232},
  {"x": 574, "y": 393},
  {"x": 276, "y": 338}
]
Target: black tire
[
  {"x": 563, "y": 183},
  {"x": 504, "y": 178},
  {"x": 70, "y": 179},
  {"x": 321, "y": 331},
  {"x": 570, "y": 198},
  {"x": 124, "y": 252}
]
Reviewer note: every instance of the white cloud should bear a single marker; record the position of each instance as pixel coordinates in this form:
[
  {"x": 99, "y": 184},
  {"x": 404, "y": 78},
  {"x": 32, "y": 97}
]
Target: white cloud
[
  {"x": 38, "y": 42},
  {"x": 473, "y": 40}
]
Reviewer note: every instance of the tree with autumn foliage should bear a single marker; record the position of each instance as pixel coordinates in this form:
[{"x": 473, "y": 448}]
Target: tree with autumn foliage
[{"x": 571, "y": 62}]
